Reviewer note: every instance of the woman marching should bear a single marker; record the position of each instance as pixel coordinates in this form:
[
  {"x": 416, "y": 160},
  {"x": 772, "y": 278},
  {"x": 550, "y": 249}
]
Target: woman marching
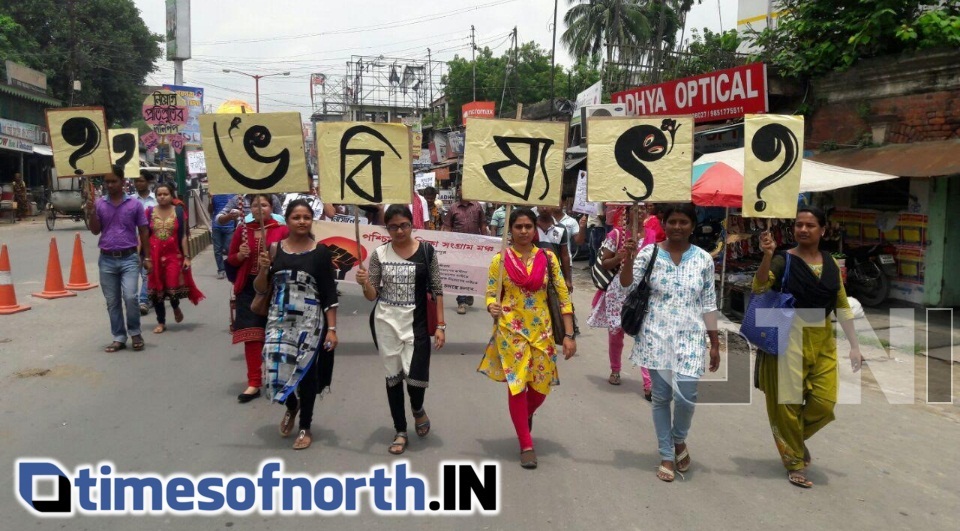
[
  {"x": 608, "y": 303},
  {"x": 402, "y": 273},
  {"x": 245, "y": 249},
  {"x": 171, "y": 277},
  {"x": 303, "y": 310},
  {"x": 801, "y": 384},
  {"x": 522, "y": 351},
  {"x": 682, "y": 309}
]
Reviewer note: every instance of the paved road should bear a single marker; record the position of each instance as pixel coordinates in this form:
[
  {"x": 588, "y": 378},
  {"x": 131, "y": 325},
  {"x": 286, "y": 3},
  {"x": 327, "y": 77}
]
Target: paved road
[{"x": 172, "y": 408}]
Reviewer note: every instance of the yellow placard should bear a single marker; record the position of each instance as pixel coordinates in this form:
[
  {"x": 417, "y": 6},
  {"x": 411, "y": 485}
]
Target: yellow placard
[
  {"x": 364, "y": 163},
  {"x": 124, "y": 150},
  {"x": 771, "y": 169},
  {"x": 78, "y": 136},
  {"x": 640, "y": 159},
  {"x": 252, "y": 153},
  {"x": 514, "y": 161}
]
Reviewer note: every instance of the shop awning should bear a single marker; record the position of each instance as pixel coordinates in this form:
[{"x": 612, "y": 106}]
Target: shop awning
[
  {"x": 43, "y": 150},
  {"x": 29, "y": 95},
  {"x": 919, "y": 159},
  {"x": 815, "y": 176}
]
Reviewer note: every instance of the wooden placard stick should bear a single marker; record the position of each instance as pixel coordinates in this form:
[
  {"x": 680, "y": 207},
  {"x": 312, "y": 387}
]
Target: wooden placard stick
[
  {"x": 356, "y": 231},
  {"x": 506, "y": 231}
]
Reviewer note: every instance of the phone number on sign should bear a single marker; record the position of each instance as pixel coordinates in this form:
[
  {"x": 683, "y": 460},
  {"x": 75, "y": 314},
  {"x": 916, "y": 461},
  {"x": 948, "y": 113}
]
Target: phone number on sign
[{"x": 719, "y": 113}]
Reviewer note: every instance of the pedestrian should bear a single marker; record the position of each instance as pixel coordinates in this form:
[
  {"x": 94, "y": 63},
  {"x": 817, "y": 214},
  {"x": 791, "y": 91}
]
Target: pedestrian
[
  {"x": 141, "y": 185},
  {"x": 121, "y": 223},
  {"x": 320, "y": 210},
  {"x": 171, "y": 278},
  {"x": 596, "y": 233},
  {"x": 652, "y": 228},
  {"x": 433, "y": 208},
  {"x": 298, "y": 274},
  {"x": 238, "y": 209},
  {"x": 245, "y": 249},
  {"x": 608, "y": 304},
  {"x": 801, "y": 384},
  {"x": 20, "y": 196},
  {"x": 221, "y": 233},
  {"x": 554, "y": 237},
  {"x": 522, "y": 351},
  {"x": 576, "y": 230},
  {"x": 466, "y": 217},
  {"x": 498, "y": 220},
  {"x": 682, "y": 309},
  {"x": 401, "y": 274}
]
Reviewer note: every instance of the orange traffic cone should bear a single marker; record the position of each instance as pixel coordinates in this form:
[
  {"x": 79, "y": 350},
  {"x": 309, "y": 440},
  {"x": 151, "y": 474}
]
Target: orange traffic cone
[
  {"x": 8, "y": 297},
  {"x": 53, "y": 287},
  {"x": 78, "y": 269}
]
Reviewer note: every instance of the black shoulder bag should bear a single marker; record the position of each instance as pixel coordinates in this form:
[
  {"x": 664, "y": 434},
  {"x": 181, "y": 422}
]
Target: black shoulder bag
[{"x": 636, "y": 304}]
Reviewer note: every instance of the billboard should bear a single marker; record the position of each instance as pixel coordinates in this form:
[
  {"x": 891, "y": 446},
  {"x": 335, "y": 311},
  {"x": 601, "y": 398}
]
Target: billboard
[
  {"x": 178, "y": 29},
  {"x": 193, "y": 96},
  {"x": 479, "y": 109}
]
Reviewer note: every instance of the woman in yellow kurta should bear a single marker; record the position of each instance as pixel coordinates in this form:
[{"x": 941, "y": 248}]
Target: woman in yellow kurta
[
  {"x": 522, "y": 351},
  {"x": 801, "y": 384}
]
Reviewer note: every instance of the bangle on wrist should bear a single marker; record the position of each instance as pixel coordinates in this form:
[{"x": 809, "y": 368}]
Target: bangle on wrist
[{"x": 331, "y": 329}]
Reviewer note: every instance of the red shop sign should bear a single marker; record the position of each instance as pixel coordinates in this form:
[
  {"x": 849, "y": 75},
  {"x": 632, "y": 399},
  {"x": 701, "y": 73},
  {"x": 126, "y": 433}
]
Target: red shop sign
[{"x": 712, "y": 97}]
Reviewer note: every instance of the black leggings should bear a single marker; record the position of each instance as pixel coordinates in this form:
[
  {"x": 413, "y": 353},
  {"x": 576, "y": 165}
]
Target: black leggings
[
  {"x": 395, "y": 399},
  {"x": 307, "y": 389},
  {"x": 162, "y": 310}
]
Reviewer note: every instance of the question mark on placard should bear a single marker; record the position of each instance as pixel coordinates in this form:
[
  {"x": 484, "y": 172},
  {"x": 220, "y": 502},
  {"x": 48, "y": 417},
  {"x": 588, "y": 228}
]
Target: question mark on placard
[
  {"x": 81, "y": 132},
  {"x": 767, "y": 144},
  {"x": 125, "y": 143}
]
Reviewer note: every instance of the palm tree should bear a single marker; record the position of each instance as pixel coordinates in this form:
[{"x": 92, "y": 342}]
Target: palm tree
[{"x": 597, "y": 25}]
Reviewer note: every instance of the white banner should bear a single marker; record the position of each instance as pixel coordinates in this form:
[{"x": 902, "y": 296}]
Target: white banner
[
  {"x": 464, "y": 258},
  {"x": 580, "y": 203},
  {"x": 196, "y": 162},
  {"x": 424, "y": 180}
]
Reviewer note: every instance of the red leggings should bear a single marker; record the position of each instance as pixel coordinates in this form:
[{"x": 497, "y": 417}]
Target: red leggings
[
  {"x": 253, "y": 350},
  {"x": 522, "y": 407}
]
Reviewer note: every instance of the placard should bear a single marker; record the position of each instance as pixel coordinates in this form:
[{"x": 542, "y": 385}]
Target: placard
[
  {"x": 640, "y": 159},
  {"x": 424, "y": 180},
  {"x": 196, "y": 162},
  {"x": 165, "y": 112},
  {"x": 773, "y": 158},
  {"x": 125, "y": 150},
  {"x": 257, "y": 152},
  {"x": 514, "y": 161},
  {"x": 580, "y": 203},
  {"x": 150, "y": 140},
  {"x": 364, "y": 163},
  {"x": 78, "y": 136}
]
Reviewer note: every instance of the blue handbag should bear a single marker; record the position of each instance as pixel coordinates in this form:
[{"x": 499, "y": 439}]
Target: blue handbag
[{"x": 778, "y": 313}]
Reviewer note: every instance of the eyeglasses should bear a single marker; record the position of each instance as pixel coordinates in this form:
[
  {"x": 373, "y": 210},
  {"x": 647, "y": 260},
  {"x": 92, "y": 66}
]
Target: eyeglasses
[{"x": 402, "y": 226}]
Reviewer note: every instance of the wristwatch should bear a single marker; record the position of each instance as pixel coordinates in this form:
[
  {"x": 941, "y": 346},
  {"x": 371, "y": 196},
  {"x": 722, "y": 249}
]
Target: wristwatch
[
  {"x": 442, "y": 327},
  {"x": 570, "y": 336},
  {"x": 331, "y": 329}
]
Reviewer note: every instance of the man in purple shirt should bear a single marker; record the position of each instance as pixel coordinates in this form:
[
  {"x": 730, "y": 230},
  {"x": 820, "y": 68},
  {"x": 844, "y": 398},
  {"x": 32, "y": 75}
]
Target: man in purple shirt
[{"x": 121, "y": 223}]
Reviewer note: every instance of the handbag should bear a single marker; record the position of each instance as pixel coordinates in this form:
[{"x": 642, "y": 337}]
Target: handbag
[
  {"x": 778, "y": 308},
  {"x": 601, "y": 276},
  {"x": 636, "y": 305},
  {"x": 431, "y": 301},
  {"x": 261, "y": 301},
  {"x": 553, "y": 305}
]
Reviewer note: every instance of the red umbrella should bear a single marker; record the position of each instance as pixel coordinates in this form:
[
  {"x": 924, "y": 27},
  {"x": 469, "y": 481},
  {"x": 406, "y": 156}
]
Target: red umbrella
[{"x": 717, "y": 184}]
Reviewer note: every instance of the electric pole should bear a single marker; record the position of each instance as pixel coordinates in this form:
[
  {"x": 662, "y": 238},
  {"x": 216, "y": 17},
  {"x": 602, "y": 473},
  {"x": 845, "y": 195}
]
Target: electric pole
[
  {"x": 553, "y": 61},
  {"x": 430, "y": 74},
  {"x": 473, "y": 57}
]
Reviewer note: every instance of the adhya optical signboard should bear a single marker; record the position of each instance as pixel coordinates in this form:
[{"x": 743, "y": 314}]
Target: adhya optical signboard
[{"x": 712, "y": 97}]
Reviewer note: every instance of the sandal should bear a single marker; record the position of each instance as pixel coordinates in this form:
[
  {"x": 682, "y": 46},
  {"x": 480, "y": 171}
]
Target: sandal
[
  {"x": 115, "y": 346},
  {"x": 178, "y": 315},
  {"x": 160, "y": 329},
  {"x": 303, "y": 440},
  {"x": 648, "y": 395},
  {"x": 528, "y": 459},
  {"x": 286, "y": 425},
  {"x": 665, "y": 474},
  {"x": 683, "y": 455},
  {"x": 799, "y": 478},
  {"x": 614, "y": 378},
  {"x": 398, "y": 448},
  {"x": 423, "y": 428},
  {"x": 137, "y": 342}
]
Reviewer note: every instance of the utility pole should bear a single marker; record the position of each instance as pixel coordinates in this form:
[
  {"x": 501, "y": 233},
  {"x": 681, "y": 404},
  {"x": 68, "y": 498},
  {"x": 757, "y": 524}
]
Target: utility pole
[
  {"x": 430, "y": 74},
  {"x": 473, "y": 57},
  {"x": 506, "y": 73},
  {"x": 73, "y": 50},
  {"x": 553, "y": 61}
]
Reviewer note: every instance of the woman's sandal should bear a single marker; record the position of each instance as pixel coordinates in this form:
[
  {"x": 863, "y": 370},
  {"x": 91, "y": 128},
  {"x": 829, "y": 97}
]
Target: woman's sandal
[
  {"x": 614, "y": 378},
  {"x": 178, "y": 315},
  {"x": 286, "y": 425},
  {"x": 528, "y": 459},
  {"x": 303, "y": 440},
  {"x": 799, "y": 478},
  {"x": 398, "y": 448},
  {"x": 423, "y": 428},
  {"x": 115, "y": 346},
  {"x": 137, "y": 343},
  {"x": 665, "y": 474},
  {"x": 684, "y": 455},
  {"x": 160, "y": 329}
]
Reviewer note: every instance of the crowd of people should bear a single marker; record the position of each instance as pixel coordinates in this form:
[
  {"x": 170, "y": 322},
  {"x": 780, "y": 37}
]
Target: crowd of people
[{"x": 286, "y": 302}]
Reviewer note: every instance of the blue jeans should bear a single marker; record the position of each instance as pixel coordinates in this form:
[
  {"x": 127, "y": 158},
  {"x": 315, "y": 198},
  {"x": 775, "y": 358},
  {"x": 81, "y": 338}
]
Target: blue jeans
[
  {"x": 595, "y": 237},
  {"x": 221, "y": 244},
  {"x": 143, "y": 287},
  {"x": 118, "y": 280},
  {"x": 669, "y": 386}
]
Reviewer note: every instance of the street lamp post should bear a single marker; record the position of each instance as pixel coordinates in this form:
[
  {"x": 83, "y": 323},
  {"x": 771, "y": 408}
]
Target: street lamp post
[{"x": 256, "y": 79}]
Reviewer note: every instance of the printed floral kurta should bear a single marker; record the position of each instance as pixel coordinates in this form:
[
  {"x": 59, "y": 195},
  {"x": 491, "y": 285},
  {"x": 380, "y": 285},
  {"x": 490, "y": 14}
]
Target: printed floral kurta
[
  {"x": 605, "y": 312},
  {"x": 673, "y": 336},
  {"x": 522, "y": 351}
]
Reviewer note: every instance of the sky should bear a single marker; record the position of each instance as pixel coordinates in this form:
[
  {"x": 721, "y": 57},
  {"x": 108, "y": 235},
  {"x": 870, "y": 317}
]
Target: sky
[{"x": 304, "y": 37}]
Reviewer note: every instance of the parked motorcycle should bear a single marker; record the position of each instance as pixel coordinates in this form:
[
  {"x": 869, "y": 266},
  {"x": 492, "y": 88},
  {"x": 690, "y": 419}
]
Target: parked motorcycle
[{"x": 869, "y": 272}]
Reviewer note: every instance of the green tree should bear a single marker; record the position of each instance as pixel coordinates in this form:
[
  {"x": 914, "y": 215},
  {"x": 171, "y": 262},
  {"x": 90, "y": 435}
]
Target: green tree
[
  {"x": 707, "y": 52},
  {"x": 604, "y": 25},
  {"x": 103, "y": 43}
]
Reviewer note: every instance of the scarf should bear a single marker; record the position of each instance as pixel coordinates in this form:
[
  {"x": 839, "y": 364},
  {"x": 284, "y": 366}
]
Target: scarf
[
  {"x": 810, "y": 291},
  {"x": 529, "y": 282}
]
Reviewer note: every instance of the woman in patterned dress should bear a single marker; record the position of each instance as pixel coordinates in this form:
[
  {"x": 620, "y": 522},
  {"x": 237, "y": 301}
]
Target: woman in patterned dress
[
  {"x": 303, "y": 309},
  {"x": 607, "y": 304},
  {"x": 402, "y": 272},
  {"x": 171, "y": 278},
  {"x": 521, "y": 351},
  {"x": 671, "y": 343},
  {"x": 245, "y": 249}
]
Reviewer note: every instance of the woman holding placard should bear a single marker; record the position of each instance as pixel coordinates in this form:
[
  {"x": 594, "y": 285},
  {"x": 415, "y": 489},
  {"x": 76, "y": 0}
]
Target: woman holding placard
[
  {"x": 404, "y": 279},
  {"x": 249, "y": 240},
  {"x": 522, "y": 351}
]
